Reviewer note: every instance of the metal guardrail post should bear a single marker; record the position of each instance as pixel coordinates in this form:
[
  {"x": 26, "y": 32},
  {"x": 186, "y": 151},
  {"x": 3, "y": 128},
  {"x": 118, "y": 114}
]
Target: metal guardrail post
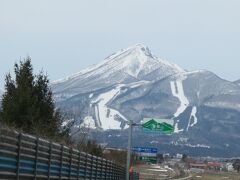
[
  {"x": 110, "y": 170},
  {"x": 118, "y": 172},
  {"x": 113, "y": 171},
  {"x": 78, "y": 166},
  {"x": 61, "y": 161},
  {"x": 123, "y": 172},
  {"x": 70, "y": 167},
  {"x": 49, "y": 160},
  {"x": 18, "y": 154},
  {"x": 36, "y": 158},
  {"x": 91, "y": 167},
  {"x": 101, "y": 172},
  {"x": 86, "y": 164},
  {"x": 129, "y": 149},
  {"x": 106, "y": 169},
  {"x": 96, "y": 172}
]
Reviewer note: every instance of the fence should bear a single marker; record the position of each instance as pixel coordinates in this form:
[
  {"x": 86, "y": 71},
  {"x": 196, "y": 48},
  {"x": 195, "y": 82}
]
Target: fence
[{"x": 27, "y": 157}]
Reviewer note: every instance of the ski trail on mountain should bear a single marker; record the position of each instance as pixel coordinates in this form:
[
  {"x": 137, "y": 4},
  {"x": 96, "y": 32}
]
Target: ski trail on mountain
[
  {"x": 193, "y": 114},
  {"x": 178, "y": 92},
  {"x": 176, "y": 130},
  {"x": 105, "y": 116}
]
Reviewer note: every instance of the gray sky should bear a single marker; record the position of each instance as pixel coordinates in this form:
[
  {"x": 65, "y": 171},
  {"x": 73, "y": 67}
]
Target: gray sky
[{"x": 63, "y": 37}]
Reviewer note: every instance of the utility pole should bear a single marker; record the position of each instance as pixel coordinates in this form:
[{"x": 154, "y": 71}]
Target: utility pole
[{"x": 129, "y": 149}]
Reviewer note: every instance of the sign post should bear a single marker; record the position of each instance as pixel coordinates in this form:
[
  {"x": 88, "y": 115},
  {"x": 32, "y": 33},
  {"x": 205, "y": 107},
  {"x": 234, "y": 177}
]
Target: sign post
[
  {"x": 129, "y": 149},
  {"x": 145, "y": 154},
  {"x": 164, "y": 126}
]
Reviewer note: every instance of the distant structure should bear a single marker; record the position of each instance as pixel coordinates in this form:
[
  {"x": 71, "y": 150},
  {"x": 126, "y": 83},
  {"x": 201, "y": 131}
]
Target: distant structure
[{"x": 202, "y": 167}]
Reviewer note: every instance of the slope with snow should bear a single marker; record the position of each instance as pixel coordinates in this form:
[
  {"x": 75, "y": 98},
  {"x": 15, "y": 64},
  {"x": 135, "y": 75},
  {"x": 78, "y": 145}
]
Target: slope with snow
[
  {"x": 176, "y": 129},
  {"x": 129, "y": 65},
  {"x": 88, "y": 122},
  {"x": 134, "y": 84},
  {"x": 194, "y": 116},
  {"x": 178, "y": 92},
  {"x": 107, "y": 117}
]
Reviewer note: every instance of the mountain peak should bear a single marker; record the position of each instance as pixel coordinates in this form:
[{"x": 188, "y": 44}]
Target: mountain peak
[
  {"x": 139, "y": 46},
  {"x": 131, "y": 64},
  {"x": 136, "y": 50},
  {"x": 142, "y": 48},
  {"x": 138, "y": 60}
]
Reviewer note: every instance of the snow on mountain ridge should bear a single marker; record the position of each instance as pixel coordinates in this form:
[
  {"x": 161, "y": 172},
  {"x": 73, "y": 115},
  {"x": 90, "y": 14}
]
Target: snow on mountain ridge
[
  {"x": 105, "y": 116},
  {"x": 132, "y": 60},
  {"x": 178, "y": 92}
]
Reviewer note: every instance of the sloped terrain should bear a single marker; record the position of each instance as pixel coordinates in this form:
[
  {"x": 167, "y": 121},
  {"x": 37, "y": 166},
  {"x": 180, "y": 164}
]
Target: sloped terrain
[{"x": 134, "y": 84}]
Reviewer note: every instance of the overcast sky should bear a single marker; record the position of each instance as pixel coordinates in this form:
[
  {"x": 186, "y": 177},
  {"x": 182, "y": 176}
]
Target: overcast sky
[{"x": 63, "y": 37}]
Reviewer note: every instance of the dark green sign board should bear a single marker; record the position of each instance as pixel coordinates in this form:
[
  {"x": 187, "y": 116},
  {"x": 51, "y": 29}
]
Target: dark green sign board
[
  {"x": 164, "y": 126},
  {"x": 146, "y": 159}
]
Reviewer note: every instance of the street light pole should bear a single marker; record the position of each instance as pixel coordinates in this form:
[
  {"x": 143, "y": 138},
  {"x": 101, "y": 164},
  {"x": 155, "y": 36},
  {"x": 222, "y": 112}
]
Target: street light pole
[{"x": 129, "y": 149}]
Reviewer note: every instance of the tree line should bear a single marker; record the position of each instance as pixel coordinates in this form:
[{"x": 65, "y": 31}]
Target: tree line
[{"x": 28, "y": 106}]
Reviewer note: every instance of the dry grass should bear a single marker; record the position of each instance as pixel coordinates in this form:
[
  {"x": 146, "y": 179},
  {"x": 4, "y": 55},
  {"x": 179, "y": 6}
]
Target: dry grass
[
  {"x": 216, "y": 176},
  {"x": 151, "y": 172}
]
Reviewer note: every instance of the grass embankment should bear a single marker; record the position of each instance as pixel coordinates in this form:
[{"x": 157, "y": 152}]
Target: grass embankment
[{"x": 216, "y": 176}]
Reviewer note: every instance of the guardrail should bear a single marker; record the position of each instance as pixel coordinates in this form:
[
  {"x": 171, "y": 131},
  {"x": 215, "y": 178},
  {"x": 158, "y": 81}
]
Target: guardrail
[{"x": 27, "y": 157}]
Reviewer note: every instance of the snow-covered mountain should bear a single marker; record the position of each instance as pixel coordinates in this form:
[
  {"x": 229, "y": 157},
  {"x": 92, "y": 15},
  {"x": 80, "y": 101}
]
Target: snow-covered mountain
[
  {"x": 129, "y": 65},
  {"x": 134, "y": 84}
]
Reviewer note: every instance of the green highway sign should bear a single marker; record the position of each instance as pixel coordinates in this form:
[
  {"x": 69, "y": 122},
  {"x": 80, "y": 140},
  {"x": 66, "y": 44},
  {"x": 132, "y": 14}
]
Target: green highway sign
[
  {"x": 146, "y": 159},
  {"x": 164, "y": 126}
]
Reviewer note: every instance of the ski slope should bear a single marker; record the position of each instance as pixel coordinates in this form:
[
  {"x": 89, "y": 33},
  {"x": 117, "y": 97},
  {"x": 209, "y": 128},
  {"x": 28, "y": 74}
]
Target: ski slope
[{"x": 178, "y": 92}]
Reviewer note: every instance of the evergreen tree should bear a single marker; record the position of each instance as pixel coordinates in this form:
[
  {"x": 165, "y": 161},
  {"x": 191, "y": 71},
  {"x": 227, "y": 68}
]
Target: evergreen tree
[
  {"x": 184, "y": 158},
  {"x": 28, "y": 103},
  {"x": 236, "y": 165},
  {"x": 92, "y": 147}
]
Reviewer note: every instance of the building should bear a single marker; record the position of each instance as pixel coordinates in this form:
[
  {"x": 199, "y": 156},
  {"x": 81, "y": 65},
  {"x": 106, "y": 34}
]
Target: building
[{"x": 202, "y": 167}]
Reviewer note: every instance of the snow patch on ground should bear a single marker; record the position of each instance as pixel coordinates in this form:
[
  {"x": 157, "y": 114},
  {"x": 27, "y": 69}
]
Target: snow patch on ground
[
  {"x": 176, "y": 130},
  {"x": 132, "y": 65},
  {"x": 106, "y": 117},
  {"x": 223, "y": 105},
  {"x": 176, "y": 143},
  {"x": 195, "y": 72},
  {"x": 194, "y": 116},
  {"x": 198, "y": 145},
  {"x": 177, "y": 91},
  {"x": 66, "y": 122},
  {"x": 62, "y": 96},
  {"x": 154, "y": 142},
  {"x": 137, "y": 84},
  {"x": 198, "y": 94},
  {"x": 88, "y": 122}
]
